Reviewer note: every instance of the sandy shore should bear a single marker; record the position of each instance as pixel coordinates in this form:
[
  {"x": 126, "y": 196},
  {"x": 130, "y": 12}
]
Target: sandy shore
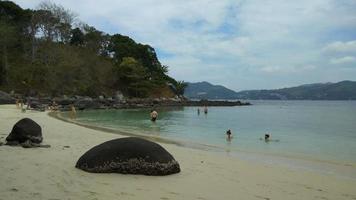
[{"x": 49, "y": 173}]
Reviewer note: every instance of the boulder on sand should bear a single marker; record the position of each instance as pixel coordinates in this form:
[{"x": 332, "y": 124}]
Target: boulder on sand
[
  {"x": 27, "y": 132},
  {"x": 129, "y": 155}
]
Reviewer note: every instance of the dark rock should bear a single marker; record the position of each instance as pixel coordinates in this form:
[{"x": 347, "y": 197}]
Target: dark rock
[
  {"x": 5, "y": 98},
  {"x": 85, "y": 104},
  {"x": 64, "y": 101},
  {"x": 25, "y": 130},
  {"x": 130, "y": 155}
]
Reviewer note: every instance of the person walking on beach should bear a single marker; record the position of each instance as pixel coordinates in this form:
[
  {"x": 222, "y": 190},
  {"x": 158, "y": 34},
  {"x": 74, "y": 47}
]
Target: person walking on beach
[
  {"x": 154, "y": 115},
  {"x": 54, "y": 106},
  {"x": 21, "y": 106},
  {"x": 228, "y": 135},
  {"x": 17, "y": 103},
  {"x": 73, "y": 112},
  {"x": 28, "y": 104}
]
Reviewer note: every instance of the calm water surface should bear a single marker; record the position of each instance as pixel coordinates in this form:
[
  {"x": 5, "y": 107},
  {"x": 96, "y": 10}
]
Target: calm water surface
[{"x": 323, "y": 130}]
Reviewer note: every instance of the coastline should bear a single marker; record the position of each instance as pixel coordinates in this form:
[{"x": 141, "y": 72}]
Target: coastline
[
  {"x": 341, "y": 168},
  {"x": 50, "y": 173}
]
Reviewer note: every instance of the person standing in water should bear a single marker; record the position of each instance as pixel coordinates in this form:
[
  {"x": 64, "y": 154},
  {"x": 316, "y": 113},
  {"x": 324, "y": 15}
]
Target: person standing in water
[
  {"x": 198, "y": 111},
  {"x": 228, "y": 135},
  {"x": 154, "y": 115},
  {"x": 205, "y": 110},
  {"x": 73, "y": 112}
]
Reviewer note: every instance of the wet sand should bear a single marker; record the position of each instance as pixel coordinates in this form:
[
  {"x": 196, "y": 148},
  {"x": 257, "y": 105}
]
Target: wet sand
[{"x": 49, "y": 173}]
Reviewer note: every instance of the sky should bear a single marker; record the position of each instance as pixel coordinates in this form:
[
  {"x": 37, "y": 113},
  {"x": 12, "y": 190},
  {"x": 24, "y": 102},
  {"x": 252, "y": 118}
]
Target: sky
[{"x": 241, "y": 44}]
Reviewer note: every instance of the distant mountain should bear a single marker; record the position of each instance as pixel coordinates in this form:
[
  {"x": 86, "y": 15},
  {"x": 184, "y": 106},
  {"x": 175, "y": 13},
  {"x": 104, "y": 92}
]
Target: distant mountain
[
  {"x": 205, "y": 90},
  {"x": 344, "y": 90}
]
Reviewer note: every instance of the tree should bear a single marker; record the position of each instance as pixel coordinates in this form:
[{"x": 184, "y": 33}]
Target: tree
[
  {"x": 42, "y": 52},
  {"x": 7, "y": 38},
  {"x": 56, "y": 21},
  {"x": 180, "y": 87},
  {"x": 132, "y": 77},
  {"x": 95, "y": 40},
  {"x": 77, "y": 38}
]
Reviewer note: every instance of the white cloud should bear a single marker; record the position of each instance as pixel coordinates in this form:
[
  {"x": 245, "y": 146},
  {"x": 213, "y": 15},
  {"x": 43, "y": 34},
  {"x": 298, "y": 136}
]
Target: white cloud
[
  {"x": 343, "y": 60},
  {"x": 287, "y": 69},
  {"x": 344, "y": 47}
]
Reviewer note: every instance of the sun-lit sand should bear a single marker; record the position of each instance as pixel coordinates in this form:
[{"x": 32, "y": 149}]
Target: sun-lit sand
[{"x": 49, "y": 173}]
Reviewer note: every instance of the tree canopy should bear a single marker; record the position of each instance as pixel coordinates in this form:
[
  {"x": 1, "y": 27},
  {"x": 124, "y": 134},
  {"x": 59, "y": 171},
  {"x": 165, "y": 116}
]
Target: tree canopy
[{"x": 47, "y": 52}]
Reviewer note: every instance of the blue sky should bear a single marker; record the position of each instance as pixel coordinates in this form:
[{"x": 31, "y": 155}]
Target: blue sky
[{"x": 240, "y": 44}]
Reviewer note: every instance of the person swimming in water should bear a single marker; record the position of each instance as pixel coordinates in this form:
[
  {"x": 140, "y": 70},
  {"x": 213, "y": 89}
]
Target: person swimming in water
[
  {"x": 154, "y": 115},
  {"x": 267, "y": 137}
]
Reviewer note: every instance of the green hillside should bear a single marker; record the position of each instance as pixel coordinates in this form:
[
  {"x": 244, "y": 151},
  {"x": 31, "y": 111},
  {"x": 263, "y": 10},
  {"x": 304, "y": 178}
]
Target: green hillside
[
  {"x": 47, "y": 52},
  {"x": 205, "y": 90},
  {"x": 344, "y": 90}
]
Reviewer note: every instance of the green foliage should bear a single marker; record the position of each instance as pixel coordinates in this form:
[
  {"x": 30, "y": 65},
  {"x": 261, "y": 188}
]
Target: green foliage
[
  {"x": 77, "y": 37},
  {"x": 180, "y": 87},
  {"x": 132, "y": 77},
  {"x": 42, "y": 51}
]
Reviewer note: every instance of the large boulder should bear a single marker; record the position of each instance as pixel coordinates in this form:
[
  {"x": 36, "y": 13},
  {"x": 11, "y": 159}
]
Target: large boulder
[
  {"x": 5, "y": 98},
  {"x": 24, "y": 131},
  {"x": 130, "y": 155}
]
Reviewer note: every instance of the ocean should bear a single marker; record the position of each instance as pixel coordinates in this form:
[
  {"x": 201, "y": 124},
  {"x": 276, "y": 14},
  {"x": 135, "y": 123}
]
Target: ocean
[{"x": 317, "y": 130}]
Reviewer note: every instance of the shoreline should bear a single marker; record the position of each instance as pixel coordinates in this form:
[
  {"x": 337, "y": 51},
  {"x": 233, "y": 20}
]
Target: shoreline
[
  {"x": 308, "y": 163},
  {"x": 50, "y": 173}
]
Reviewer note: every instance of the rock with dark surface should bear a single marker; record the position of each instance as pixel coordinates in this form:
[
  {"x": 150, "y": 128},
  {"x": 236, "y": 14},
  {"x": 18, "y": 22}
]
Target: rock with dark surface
[
  {"x": 5, "y": 98},
  {"x": 130, "y": 155},
  {"x": 85, "y": 104},
  {"x": 25, "y": 131}
]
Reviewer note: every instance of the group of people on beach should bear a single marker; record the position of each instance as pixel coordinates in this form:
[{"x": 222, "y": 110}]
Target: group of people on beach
[
  {"x": 153, "y": 115},
  {"x": 20, "y": 104}
]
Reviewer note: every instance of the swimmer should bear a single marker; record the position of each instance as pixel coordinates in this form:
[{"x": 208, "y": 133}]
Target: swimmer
[{"x": 267, "y": 136}]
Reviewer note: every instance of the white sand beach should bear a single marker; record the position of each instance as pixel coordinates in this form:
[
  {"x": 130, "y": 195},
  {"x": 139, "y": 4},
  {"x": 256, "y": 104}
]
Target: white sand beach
[{"x": 49, "y": 173}]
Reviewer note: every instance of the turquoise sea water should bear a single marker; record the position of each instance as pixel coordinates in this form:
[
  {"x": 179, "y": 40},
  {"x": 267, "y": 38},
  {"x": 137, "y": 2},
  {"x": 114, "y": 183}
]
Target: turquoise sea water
[{"x": 322, "y": 130}]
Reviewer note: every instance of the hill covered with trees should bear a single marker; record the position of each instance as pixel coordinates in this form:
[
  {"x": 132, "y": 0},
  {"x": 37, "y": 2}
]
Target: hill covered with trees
[
  {"x": 46, "y": 51},
  {"x": 205, "y": 90},
  {"x": 344, "y": 90}
]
